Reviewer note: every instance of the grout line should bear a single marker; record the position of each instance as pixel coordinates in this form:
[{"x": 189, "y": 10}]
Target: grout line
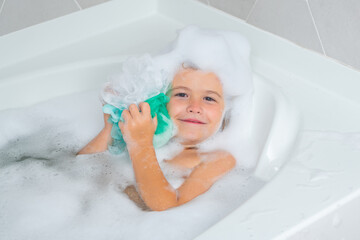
[
  {"x": 77, "y": 4},
  {"x": 316, "y": 29},
  {"x": 251, "y": 10},
  {"x": 208, "y": 2},
  {"x": 2, "y": 6}
]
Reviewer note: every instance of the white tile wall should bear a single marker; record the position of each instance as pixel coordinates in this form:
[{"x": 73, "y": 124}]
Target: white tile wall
[
  {"x": 331, "y": 27},
  {"x": 238, "y": 8},
  {"x": 18, "y": 14},
  {"x": 338, "y": 23},
  {"x": 290, "y": 19},
  {"x": 89, "y": 3},
  {"x": 1, "y": 5}
]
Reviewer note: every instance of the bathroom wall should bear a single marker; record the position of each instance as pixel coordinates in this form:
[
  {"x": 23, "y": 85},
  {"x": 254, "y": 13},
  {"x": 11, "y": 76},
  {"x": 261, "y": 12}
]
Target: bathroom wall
[
  {"x": 18, "y": 14},
  {"x": 329, "y": 27}
]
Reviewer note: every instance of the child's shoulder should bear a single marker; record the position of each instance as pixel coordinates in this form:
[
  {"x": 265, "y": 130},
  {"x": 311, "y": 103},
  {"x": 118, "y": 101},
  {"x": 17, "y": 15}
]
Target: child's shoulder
[
  {"x": 219, "y": 156},
  {"x": 192, "y": 158}
]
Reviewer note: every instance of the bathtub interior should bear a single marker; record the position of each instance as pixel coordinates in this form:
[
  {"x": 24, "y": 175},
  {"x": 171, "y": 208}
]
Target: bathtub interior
[
  {"x": 273, "y": 119},
  {"x": 43, "y": 85},
  {"x": 53, "y": 63},
  {"x": 275, "y": 127}
]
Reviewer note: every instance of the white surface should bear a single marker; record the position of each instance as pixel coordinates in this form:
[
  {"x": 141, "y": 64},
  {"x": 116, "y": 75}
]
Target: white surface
[
  {"x": 275, "y": 126},
  {"x": 274, "y": 118},
  {"x": 325, "y": 92}
]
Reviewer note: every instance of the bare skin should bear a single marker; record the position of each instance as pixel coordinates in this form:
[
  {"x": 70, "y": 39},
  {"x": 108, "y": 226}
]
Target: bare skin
[
  {"x": 100, "y": 142},
  {"x": 188, "y": 158},
  {"x": 196, "y": 106}
]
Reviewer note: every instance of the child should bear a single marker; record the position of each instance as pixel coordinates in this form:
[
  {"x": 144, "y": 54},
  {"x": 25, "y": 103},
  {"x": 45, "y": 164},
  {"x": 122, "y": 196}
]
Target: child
[{"x": 197, "y": 108}]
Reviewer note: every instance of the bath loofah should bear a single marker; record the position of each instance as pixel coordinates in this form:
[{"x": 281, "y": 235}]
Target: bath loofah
[
  {"x": 164, "y": 130},
  {"x": 139, "y": 80}
]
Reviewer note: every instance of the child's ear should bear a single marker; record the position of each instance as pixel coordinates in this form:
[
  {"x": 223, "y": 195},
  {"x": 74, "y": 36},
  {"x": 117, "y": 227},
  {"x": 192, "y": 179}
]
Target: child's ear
[
  {"x": 223, "y": 124},
  {"x": 225, "y": 121}
]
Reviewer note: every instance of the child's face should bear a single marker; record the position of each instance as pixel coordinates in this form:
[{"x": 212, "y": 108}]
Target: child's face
[{"x": 196, "y": 105}]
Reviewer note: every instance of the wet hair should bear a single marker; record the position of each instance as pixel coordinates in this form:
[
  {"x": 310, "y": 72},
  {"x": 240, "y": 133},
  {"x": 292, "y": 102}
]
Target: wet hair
[
  {"x": 225, "y": 121},
  {"x": 189, "y": 65}
]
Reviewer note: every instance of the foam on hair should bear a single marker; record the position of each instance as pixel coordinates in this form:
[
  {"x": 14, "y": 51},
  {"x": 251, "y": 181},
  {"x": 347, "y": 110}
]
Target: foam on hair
[
  {"x": 223, "y": 52},
  {"x": 227, "y": 55}
]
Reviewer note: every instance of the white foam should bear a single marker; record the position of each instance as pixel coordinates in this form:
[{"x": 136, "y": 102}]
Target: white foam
[
  {"x": 224, "y": 53},
  {"x": 47, "y": 192},
  {"x": 137, "y": 80}
]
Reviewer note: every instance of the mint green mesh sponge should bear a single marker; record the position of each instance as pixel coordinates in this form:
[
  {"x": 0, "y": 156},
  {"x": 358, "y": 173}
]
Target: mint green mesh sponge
[{"x": 164, "y": 130}]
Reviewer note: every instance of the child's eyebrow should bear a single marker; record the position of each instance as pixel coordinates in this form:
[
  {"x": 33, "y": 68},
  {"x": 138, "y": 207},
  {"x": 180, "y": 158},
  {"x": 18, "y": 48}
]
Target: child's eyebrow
[
  {"x": 180, "y": 87},
  {"x": 208, "y": 91},
  {"x": 214, "y": 92}
]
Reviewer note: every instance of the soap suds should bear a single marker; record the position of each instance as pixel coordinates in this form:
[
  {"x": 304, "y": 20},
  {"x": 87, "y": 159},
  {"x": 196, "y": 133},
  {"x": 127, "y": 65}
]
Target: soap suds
[{"x": 48, "y": 192}]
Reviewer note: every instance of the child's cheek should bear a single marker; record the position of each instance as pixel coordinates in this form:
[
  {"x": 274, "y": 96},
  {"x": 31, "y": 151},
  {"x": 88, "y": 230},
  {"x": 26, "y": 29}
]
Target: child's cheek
[
  {"x": 215, "y": 113},
  {"x": 174, "y": 107}
]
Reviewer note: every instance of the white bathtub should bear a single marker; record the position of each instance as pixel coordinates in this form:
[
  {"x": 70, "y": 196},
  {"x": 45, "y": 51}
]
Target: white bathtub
[{"x": 75, "y": 52}]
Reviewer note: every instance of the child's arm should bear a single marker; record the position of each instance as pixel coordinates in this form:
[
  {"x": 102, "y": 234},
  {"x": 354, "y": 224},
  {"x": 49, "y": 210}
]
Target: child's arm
[
  {"x": 138, "y": 131},
  {"x": 100, "y": 142}
]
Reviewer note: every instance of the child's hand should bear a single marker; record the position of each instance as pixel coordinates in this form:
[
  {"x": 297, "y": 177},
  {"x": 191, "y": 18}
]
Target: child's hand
[
  {"x": 107, "y": 124},
  {"x": 138, "y": 127}
]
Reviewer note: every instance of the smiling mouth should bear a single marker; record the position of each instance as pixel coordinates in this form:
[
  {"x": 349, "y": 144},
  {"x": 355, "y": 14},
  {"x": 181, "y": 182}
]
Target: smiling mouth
[{"x": 194, "y": 121}]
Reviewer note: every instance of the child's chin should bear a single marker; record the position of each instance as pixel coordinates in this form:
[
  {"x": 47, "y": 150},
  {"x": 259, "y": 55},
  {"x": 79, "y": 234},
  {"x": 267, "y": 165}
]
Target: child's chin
[{"x": 186, "y": 140}]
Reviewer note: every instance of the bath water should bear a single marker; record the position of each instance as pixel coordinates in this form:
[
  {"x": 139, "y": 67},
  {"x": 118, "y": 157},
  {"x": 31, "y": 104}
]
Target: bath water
[{"x": 47, "y": 192}]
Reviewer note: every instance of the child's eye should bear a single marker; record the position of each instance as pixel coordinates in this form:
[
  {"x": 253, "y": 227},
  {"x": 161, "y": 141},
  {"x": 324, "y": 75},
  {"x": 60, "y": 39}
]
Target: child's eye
[
  {"x": 181, "y": 95},
  {"x": 209, "y": 99}
]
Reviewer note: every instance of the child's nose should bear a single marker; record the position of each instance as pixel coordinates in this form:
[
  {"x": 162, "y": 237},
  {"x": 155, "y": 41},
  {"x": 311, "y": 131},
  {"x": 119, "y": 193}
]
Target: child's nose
[{"x": 194, "y": 107}]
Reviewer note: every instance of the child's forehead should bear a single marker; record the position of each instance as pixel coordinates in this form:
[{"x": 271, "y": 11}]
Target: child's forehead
[
  {"x": 197, "y": 80},
  {"x": 193, "y": 75}
]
